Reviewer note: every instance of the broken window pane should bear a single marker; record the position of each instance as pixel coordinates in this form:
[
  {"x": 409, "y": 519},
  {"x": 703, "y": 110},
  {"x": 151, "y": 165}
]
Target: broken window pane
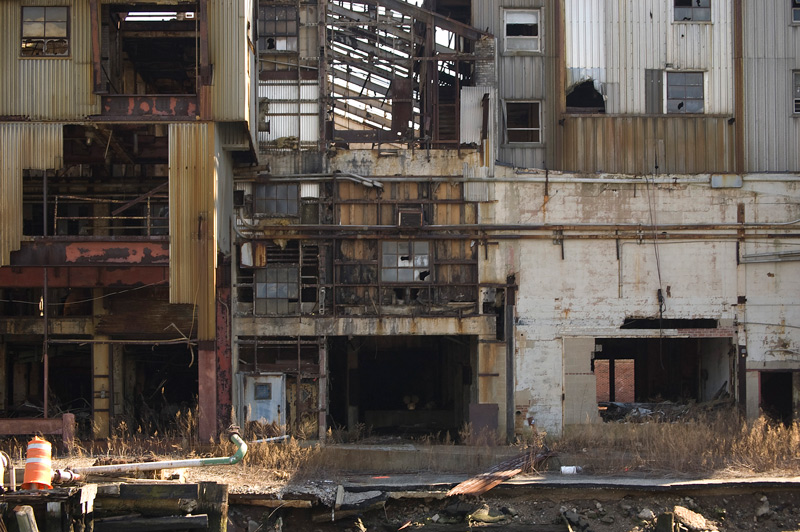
[
  {"x": 277, "y": 28},
  {"x": 277, "y": 290},
  {"x": 45, "y": 31},
  {"x": 685, "y": 93},
  {"x": 404, "y": 261},
  {"x": 522, "y": 30},
  {"x": 523, "y": 122},
  {"x": 276, "y": 200},
  {"x": 797, "y": 92},
  {"x": 692, "y": 10}
]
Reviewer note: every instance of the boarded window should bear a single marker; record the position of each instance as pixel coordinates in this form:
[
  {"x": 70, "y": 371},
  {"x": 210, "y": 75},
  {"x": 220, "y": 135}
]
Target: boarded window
[
  {"x": 45, "y": 31},
  {"x": 523, "y": 30},
  {"x": 523, "y": 122},
  {"x": 277, "y": 290},
  {"x": 273, "y": 199},
  {"x": 277, "y": 28},
  {"x": 405, "y": 262},
  {"x": 685, "y": 92},
  {"x": 692, "y": 10},
  {"x": 796, "y": 91},
  {"x": 653, "y": 97}
]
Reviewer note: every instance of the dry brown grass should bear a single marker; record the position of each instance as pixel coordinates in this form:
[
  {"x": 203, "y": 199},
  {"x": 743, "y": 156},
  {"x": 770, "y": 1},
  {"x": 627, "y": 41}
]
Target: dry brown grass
[{"x": 708, "y": 443}]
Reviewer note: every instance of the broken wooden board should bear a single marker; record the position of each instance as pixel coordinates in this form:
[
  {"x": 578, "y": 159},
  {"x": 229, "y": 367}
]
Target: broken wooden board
[
  {"x": 153, "y": 524},
  {"x": 498, "y": 474}
]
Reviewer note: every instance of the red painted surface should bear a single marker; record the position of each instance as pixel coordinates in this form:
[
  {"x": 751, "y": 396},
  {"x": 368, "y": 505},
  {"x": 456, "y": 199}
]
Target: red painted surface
[
  {"x": 127, "y": 253},
  {"x": 224, "y": 357},
  {"x": 84, "y": 276},
  {"x": 207, "y": 394},
  {"x": 150, "y": 106}
]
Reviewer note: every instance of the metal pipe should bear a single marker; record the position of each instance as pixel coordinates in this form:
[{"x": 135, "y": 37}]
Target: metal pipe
[
  {"x": 5, "y": 463},
  {"x": 241, "y": 451},
  {"x": 267, "y": 440},
  {"x": 367, "y": 182}
]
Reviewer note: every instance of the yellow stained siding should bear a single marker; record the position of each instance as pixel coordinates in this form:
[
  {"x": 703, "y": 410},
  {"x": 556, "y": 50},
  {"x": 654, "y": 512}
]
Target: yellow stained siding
[
  {"x": 22, "y": 146},
  {"x": 192, "y": 221},
  {"x": 47, "y": 88},
  {"x": 231, "y": 57}
]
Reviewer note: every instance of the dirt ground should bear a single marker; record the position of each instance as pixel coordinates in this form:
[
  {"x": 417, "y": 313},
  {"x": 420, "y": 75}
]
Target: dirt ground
[{"x": 768, "y": 512}]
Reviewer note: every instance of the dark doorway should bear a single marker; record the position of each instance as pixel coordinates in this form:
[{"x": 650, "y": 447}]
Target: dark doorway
[
  {"x": 402, "y": 384},
  {"x": 776, "y": 395}
]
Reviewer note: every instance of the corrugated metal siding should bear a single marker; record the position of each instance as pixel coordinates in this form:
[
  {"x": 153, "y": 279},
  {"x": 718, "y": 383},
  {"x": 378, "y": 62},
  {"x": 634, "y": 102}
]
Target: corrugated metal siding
[
  {"x": 771, "y": 53},
  {"x": 51, "y": 89},
  {"x": 293, "y": 110},
  {"x": 23, "y": 146},
  {"x": 615, "y": 42},
  {"x": 630, "y": 145},
  {"x": 231, "y": 58},
  {"x": 223, "y": 199},
  {"x": 192, "y": 223}
]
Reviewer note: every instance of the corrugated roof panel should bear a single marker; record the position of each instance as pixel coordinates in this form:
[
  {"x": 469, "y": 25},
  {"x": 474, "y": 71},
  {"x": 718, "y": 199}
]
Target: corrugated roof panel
[
  {"x": 23, "y": 146},
  {"x": 191, "y": 222}
]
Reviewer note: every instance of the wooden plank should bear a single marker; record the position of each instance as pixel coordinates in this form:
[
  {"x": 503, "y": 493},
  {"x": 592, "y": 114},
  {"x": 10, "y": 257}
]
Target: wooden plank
[
  {"x": 158, "y": 491},
  {"x": 174, "y": 522},
  {"x": 25, "y": 519},
  {"x": 246, "y": 500},
  {"x": 213, "y": 501}
]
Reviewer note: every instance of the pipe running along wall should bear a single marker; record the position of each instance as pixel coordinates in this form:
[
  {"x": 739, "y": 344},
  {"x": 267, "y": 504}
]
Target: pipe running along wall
[{"x": 241, "y": 451}]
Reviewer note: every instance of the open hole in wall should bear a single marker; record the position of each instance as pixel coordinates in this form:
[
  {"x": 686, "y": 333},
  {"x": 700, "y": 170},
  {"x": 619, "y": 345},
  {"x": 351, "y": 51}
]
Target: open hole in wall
[
  {"x": 775, "y": 398},
  {"x": 584, "y": 97}
]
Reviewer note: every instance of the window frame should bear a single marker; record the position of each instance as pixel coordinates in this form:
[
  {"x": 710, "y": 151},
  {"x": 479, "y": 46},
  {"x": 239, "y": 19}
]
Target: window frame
[
  {"x": 676, "y": 10},
  {"x": 409, "y": 265},
  {"x": 291, "y": 300},
  {"x": 794, "y": 12},
  {"x": 288, "y": 38},
  {"x": 671, "y": 74},
  {"x": 539, "y": 129},
  {"x": 796, "y": 93},
  {"x": 261, "y": 202},
  {"x": 538, "y": 38},
  {"x": 43, "y": 38}
]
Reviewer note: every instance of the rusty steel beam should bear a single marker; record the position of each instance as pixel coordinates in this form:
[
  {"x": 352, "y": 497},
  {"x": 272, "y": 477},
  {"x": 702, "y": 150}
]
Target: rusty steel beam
[
  {"x": 95, "y": 253},
  {"x": 149, "y": 107},
  {"x": 85, "y": 276}
]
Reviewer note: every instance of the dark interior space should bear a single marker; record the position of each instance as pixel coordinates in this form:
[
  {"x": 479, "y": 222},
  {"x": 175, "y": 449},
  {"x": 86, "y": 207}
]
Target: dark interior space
[
  {"x": 776, "y": 395},
  {"x": 401, "y": 385},
  {"x": 667, "y": 369},
  {"x": 584, "y": 97}
]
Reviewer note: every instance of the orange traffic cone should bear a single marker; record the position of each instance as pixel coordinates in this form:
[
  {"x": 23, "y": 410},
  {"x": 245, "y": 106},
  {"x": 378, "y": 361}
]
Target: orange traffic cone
[{"x": 38, "y": 466}]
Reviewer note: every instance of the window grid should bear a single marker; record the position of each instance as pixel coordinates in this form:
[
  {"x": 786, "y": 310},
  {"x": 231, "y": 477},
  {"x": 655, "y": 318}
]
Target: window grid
[
  {"x": 276, "y": 199},
  {"x": 796, "y": 91},
  {"x": 277, "y": 290},
  {"x": 405, "y": 262},
  {"x": 523, "y": 122},
  {"x": 692, "y": 10},
  {"x": 277, "y": 28},
  {"x": 523, "y": 30},
  {"x": 45, "y": 31},
  {"x": 685, "y": 92}
]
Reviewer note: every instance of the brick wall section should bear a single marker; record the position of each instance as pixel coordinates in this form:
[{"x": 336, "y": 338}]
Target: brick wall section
[
  {"x": 720, "y": 332},
  {"x": 623, "y": 378}
]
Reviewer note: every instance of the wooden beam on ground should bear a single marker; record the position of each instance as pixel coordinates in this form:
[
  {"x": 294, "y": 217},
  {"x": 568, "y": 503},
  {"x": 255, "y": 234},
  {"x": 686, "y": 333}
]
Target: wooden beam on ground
[{"x": 153, "y": 524}]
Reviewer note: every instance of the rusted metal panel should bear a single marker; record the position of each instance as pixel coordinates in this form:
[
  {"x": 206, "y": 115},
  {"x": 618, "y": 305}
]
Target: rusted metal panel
[
  {"x": 224, "y": 351},
  {"x": 149, "y": 107},
  {"x": 691, "y": 145},
  {"x": 50, "y": 88},
  {"x": 84, "y": 276},
  {"x": 56, "y": 253},
  {"x": 146, "y": 313},
  {"x": 233, "y": 58},
  {"x": 22, "y": 146},
  {"x": 192, "y": 222}
]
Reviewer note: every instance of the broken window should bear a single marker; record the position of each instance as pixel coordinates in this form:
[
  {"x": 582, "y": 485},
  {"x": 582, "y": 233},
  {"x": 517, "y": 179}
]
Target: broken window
[
  {"x": 692, "y": 10},
  {"x": 276, "y": 199},
  {"x": 405, "y": 261},
  {"x": 796, "y": 91},
  {"x": 522, "y": 30},
  {"x": 277, "y": 28},
  {"x": 277, "y": 290},
  {"x": 523, "y": 122},
  {"x": 45, "y": 31},
  {"x": 684, "y": 92},
  {"x": 584, "y": 97},
  {"x": 795, "y": 11}
]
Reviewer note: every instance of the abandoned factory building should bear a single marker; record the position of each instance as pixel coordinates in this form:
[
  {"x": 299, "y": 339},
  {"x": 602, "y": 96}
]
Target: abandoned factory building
[{"x": 408, "y": 216}]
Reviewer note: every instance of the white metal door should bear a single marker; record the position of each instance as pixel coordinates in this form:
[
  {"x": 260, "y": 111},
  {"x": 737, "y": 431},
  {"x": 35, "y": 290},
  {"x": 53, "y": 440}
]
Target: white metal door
[{"x": 265, "y": 398}]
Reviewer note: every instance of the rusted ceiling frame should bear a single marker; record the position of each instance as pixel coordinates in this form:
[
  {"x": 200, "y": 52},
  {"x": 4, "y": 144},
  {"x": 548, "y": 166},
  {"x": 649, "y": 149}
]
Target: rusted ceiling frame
[
  {"x": 459, "y": 28},
  {"x": 141, "y": 198}
]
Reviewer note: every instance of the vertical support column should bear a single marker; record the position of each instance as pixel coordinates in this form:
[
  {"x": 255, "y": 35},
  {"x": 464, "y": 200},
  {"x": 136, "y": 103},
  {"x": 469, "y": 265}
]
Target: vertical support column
[
  {"x": 117, "y": 380},
  {"x": 207, "y": 391},
  {"x": 741, "y": 319},
  {"x": 101, "y": 389},
  {"x": 224, "y": 356},
  {"x": 3, "y": 377},
  {"x": 352, "y": 387},
  {"x": 101, "y": 375},
  {"x": 322, "y": 382}
]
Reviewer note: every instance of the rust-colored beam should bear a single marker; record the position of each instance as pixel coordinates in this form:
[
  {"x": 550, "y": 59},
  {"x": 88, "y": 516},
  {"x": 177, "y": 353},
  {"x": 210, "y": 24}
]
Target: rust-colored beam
[
  {"x": 84, "y": 276},
  {"x": 149, "y": 107},
  {"x": 97, "y": 253},
  {"x": 94, "y": 13}
]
